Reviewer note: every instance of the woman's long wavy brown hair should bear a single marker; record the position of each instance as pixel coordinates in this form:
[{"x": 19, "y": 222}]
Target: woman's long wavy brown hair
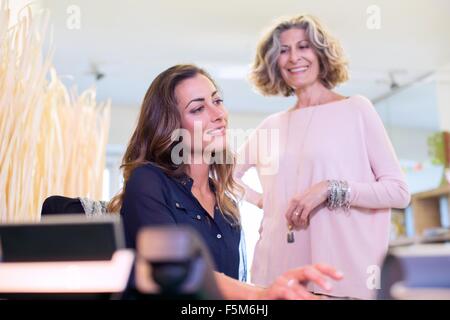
[{"x": 151, "y": 141}]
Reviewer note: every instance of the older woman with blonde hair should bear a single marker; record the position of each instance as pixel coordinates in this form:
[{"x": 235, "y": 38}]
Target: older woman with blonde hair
[{"x": 337, "y": 173}]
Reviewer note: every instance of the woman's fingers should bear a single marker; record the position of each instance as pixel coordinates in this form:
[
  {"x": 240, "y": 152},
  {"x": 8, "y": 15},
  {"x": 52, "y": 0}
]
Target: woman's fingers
[
  {"x": 260, "y": 203},
  {"x": 294, "y": 214},
  {"x": 297, "y": 214},
  {"x": 318, "y": 274},
  {"x": 296, "y": 217},
  {"x": 290, "y": 212},
  {"x": 291, "y": 285},
  {"x": 329, "y": 271},
  {"x": 304, "y": 217},
  {"x": 289, "y": 289},
  {"x": 300, "y": 291},
  {"x": 314, "y": 275}
]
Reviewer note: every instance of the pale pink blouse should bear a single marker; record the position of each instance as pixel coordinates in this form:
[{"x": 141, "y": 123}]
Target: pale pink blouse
[{"x": 343, "y": 140}]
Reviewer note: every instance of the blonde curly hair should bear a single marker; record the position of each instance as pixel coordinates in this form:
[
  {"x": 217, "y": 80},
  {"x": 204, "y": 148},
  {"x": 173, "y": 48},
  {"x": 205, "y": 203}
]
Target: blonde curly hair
[{"x": 265, "y": 73}]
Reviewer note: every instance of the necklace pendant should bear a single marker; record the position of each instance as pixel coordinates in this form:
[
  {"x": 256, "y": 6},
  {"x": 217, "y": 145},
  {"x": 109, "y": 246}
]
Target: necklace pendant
[{"x": 290, "y": 235}]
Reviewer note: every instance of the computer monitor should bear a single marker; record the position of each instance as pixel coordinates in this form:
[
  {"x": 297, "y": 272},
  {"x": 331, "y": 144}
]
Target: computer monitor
[
  {"x": 64, "y": 257},
  {"x": 62, "y": 238}
]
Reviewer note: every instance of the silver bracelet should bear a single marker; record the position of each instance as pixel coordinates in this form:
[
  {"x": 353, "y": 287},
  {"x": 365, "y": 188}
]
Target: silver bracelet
[
  {"x": 331, "y": 196},
  {"x": 338, "y": 195}
]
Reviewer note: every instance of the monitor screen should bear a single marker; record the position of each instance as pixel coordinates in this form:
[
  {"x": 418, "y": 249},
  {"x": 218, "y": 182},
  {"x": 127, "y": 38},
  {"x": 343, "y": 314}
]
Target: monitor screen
[{"x": 62, "y": 238}]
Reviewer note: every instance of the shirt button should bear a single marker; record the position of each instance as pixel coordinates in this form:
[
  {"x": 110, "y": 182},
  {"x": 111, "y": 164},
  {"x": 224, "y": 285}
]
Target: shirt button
[
  {"x": 217, "y": 208},
  {"x": 199, "y": 217},
  {"x": 177, "y": 204},
  {"x": 219, "y": 236}
]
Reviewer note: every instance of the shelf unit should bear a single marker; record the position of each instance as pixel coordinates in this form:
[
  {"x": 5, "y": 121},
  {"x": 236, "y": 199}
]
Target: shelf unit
[{"x": 428, "y": 209}]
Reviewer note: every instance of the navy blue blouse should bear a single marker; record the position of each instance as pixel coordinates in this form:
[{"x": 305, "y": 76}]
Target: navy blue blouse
[{"x": 154, "y": 198}]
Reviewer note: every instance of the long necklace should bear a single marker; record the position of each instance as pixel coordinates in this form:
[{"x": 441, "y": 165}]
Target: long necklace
[{"x": 290, "y": 232}]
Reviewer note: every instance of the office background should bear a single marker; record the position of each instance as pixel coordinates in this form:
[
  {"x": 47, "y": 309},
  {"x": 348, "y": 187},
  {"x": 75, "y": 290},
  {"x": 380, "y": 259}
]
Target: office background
[{"x": 398, "y": 52}]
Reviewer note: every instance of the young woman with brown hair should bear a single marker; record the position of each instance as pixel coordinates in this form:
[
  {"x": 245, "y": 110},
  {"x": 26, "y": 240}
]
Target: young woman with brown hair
[{"x": 198, "y": 191}]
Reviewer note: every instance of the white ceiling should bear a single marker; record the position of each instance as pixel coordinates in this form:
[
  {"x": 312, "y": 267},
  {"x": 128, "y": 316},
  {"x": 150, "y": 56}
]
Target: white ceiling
[{"x": 134, "y": 40}]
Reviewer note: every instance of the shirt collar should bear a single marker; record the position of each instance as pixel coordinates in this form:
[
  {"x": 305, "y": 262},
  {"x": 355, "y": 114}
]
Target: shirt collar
[{"x": 187, "y": 181}]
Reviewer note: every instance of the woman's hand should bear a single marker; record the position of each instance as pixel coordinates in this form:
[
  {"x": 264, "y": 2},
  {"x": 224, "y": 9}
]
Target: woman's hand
[
  {"x": 291, "y": 284},
  {"x": 260, "y": 203},
  {"x": 300, "y": 206}
]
